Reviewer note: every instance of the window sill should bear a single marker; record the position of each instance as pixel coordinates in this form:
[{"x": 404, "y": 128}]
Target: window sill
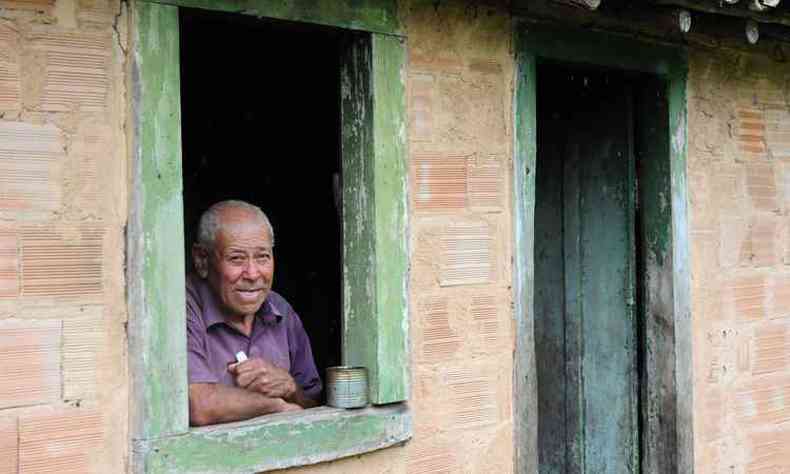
[{"x": 277, "y": 441}]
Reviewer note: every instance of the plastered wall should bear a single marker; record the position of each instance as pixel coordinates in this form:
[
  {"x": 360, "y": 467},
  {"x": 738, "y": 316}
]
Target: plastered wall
[
  {"x": 63, "y": 380},
  {"x": 63, "y": 196},
  {"x": 739, "y": 182}
]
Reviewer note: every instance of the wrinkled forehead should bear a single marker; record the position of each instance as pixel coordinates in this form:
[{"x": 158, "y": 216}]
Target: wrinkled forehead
[{"x": 242, "y": 228}]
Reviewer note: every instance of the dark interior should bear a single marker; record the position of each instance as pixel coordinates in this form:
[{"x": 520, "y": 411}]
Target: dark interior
[{"x": 261, "y": 122}]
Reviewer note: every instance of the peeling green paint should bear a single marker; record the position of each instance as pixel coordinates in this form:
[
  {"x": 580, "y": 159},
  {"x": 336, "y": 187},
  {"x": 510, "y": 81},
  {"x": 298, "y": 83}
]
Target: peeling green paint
[
  {"x": 379, "y": 16},
  {"x": 156, "y": 255},
  {"x": 277, "y": 441},
  {"x": 375, "y": 300}
]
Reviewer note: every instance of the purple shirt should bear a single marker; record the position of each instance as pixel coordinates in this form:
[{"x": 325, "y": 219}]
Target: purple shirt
[{"x": 277, "y": 336}]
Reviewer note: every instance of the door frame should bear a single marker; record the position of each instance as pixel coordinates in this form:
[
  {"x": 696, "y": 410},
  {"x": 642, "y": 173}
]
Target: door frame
[{"x": 668, "y": 436}]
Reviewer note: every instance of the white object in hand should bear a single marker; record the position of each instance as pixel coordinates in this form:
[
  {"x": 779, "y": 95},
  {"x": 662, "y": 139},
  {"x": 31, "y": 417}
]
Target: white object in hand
[{"x": 241, "y": 356}]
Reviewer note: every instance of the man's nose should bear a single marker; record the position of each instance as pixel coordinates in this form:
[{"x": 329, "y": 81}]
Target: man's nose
[{"x": 252, "y": 270}]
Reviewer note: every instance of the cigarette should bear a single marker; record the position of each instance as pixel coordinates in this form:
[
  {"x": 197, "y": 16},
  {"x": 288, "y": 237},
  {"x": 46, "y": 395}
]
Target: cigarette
[{"x": 241, "y": 356}]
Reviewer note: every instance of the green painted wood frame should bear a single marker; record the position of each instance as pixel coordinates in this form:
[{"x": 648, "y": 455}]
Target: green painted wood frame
[
  {"x": 668, "y": 405},
  {"x": 375, "y": 250}
]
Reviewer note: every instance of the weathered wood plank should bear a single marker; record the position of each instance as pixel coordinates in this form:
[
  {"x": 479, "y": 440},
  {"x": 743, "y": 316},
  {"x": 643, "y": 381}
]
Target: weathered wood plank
[
  {"x": 390, "y": 171},
  {"x": 525, "y": 395},
  {"x": 379, "y": 16},
  {"x": 157, "y": 330},
  {"x": 277, "y": 441},
  {"x": 359, "y": 231}
]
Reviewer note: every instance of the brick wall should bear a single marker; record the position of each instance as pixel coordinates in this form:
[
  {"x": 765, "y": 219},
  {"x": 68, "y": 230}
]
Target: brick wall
[
  {"x": 62, "y": 210},
  {"x": 739, "y": 151}
]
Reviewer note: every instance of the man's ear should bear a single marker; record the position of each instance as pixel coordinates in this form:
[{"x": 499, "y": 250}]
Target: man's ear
[{"x": 200, "y": 260}]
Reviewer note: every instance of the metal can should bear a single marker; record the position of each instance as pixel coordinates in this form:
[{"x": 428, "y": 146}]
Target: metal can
[{"x": 347, "y": 387}]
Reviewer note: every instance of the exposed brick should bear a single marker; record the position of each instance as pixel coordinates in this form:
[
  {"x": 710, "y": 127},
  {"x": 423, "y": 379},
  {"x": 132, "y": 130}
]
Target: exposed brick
[
  {"x": 59, "y": 262},
  {"x": 81, "y": 339},
  {"x": 95, "y": 13},
  {"x": 749, "y": 297},
  {"x": 440, "y": 182},
  {"x": 9, "y": 263},
  {"x": 487, "y": 325},
  {"x": 771, "y": 348},
  {"x": 76, "y": 69},
  {"x": 777, "y": 133},
  {"x": 486, "y": 185},
  {"x": 750, "y": 133},
  {"x": 471, "y": 397},
  {"x": 91, "y": 144},
  {"x": 439, "y": 341},
  {"x": 763, "y": 402},
  {"x": 759, "y": 247},
  {"x": 422, "y": 106},
  {"x": 761, "y": 186},
  {"x": 10, "y": 86},
  {"x": 428, "y": 457},
  {"x": 30, "y": 369},
  {"x": 9, "y": 445},
  {"x": 61, "y": 441},
  {"x": 781, "y": 293},
  {"x": 467, "y": 254},
  {"x": 31, "y": 157},
  {"x": 767, "y": 451},
  {"x": 34, "y": 5},
  {"x": 713, "y": 416}
]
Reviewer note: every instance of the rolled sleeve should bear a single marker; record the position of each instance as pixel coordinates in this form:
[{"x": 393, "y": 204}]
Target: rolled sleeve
[{"x": 303, "y": 368}]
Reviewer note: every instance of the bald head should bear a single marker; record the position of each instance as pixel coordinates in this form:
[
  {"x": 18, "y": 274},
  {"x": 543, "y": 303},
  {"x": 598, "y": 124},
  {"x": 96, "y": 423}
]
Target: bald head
[{"x": 225, "y": 215}]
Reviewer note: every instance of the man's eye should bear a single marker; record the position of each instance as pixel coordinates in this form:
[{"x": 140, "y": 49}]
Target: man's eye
[{"x": 236, "y": 259}]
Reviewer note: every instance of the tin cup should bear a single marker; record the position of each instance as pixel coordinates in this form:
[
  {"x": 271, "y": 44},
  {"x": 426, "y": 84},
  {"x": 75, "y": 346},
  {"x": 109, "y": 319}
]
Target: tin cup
[{"x": 346, "y": 387}]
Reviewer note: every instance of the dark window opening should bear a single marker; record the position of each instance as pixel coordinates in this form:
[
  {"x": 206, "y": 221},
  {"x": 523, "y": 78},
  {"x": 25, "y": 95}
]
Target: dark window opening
[{"x": 260, "y": 122}]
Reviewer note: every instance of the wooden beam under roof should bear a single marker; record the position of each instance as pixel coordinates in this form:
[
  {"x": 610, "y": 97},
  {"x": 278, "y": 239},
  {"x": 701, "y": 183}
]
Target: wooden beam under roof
[{"x": 772, "y": 11}]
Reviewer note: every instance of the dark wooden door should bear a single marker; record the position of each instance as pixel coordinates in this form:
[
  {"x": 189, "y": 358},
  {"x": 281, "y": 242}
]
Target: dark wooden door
[{"x": 584, "y": 276}]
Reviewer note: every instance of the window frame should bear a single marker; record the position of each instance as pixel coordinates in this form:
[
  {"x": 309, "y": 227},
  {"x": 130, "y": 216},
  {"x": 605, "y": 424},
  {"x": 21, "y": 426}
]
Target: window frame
[{"x": 375, "y": 252}]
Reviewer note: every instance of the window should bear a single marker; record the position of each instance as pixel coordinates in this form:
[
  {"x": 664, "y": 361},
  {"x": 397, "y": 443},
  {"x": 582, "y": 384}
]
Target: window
[{"x": 372, "y": 139}]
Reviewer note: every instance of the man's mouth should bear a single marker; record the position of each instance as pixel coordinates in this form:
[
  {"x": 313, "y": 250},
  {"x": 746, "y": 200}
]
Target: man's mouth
[{"x": 250, "y": 293}]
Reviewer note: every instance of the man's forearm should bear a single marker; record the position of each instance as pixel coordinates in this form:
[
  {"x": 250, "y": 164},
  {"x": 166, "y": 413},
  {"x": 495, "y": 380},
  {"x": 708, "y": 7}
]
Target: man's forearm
[{"x": 215, "y": 403}]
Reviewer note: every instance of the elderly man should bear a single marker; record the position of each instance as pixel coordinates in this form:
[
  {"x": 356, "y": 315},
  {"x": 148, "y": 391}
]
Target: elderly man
[{"x": 231, "y": 309}]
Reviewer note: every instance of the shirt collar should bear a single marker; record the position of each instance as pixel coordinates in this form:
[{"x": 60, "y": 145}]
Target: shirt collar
[{"x": 269, "y": 312}]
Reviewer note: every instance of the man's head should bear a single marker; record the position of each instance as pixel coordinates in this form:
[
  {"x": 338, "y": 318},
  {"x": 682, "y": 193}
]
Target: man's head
[{"x": 234, "y": 253}]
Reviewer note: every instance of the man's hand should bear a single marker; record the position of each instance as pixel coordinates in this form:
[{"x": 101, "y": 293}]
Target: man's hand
[{"x": 264, "y": 377}]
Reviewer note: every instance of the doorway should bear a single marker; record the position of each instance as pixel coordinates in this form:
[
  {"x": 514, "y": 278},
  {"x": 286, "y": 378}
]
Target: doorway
[
  {"x": 260, "y": 104},
  {"x": 600, "y": 133}
]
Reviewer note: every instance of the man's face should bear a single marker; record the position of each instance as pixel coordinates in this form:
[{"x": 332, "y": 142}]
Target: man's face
[{"x": 241, "y": 266}]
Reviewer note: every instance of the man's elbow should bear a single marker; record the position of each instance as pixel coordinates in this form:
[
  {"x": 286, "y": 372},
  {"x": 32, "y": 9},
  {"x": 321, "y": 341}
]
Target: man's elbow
[{"x": 201, "y": 412}]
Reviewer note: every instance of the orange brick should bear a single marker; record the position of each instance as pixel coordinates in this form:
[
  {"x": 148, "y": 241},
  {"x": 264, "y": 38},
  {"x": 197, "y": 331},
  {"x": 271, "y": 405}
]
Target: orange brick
[
  {"x": 781, "y": 291},
  {"x": 486, "y": 186},
  {"x": 751, "y": 132},
  {"x": 9, "y": 264},
  {"x": 431, "y": 457},
  {"x": 31, "y": 157},
  {"x": 471, "y": 397},
  {"x": 95, "y": 13},
  {"x": 440, "y": 182},
  {"x": 10, "y": 85},
  {"x": 767, "y": 451},
  {"x": 713, "y": 415},
  {"x": 77, "y": 69},
  {"x": 30, "y": 368},
  {"x": 777, "y": 133},
  {"x": 771, "y": 348},
  {"x": 763, "y": 402},
  {"x": 488, "y": 328},
  {"x": 60, "y": 441},
  {"x": 759, "y": 247},
  {"x": 467, "y": 255},
  {"x": 81, "y": 339},
  {"x": 761, "y": 186},
  {"x": 62, "y": 262},
  {"x": 9, "y": 446},
  {"x": 749, "y": 297},
  {"x": 35, "y": 5},
  {"x": 439, "y": 341}
]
